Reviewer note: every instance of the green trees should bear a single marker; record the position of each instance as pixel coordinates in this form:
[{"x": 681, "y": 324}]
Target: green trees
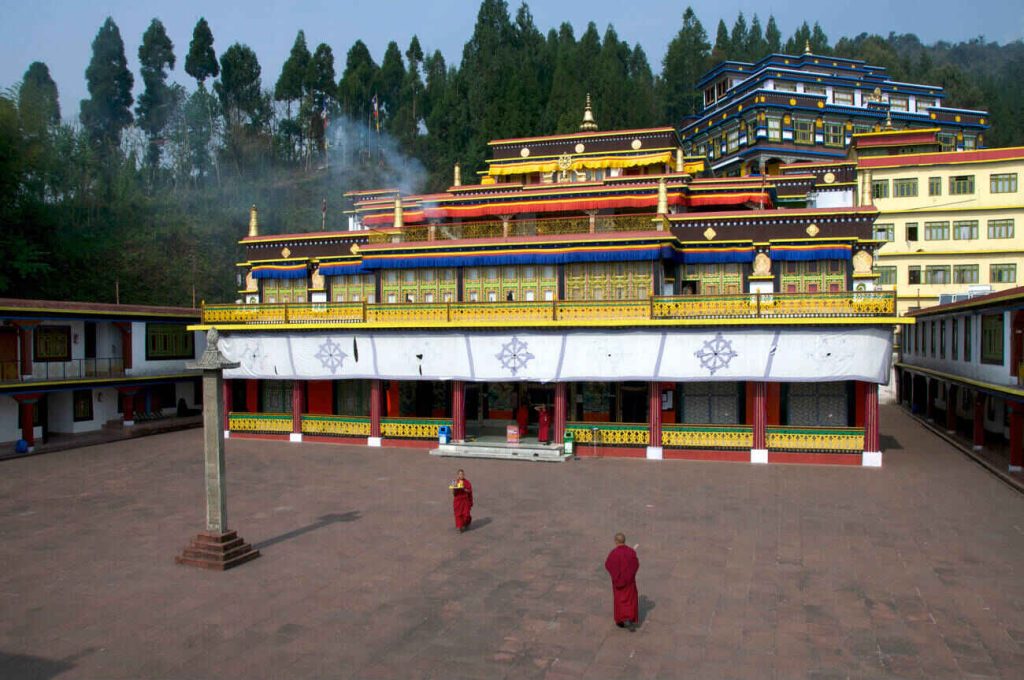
[
  {"x": 685, "y": 61},
  {"x": 108, "y": 110},
  {"x": 38, "y": 102},
  {"x": 201, "y": 61},
  {"x": 156, "y": 54}
]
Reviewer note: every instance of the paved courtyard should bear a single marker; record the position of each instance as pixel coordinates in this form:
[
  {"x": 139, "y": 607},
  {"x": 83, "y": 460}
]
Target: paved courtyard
[{"x": 915, "y": 570}]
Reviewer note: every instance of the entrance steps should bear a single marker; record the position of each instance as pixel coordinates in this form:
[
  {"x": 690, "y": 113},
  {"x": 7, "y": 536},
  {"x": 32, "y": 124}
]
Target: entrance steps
[{"x": 548, "y": 453}]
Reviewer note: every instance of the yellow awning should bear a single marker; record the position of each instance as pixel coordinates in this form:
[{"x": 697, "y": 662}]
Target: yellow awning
[{"x": 581, "y": 163}]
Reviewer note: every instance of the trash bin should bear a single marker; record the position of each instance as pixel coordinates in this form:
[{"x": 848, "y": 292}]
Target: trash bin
[
  {"x": 569, "y": 442},
  {"x": 21, "y": 446},
  {"x": 444, "y": 434}
]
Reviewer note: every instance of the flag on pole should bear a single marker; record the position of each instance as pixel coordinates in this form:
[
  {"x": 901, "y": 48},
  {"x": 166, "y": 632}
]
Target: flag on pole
[
  {"x": 376, "y": 111},
  {"x": 323, "y": 214}
]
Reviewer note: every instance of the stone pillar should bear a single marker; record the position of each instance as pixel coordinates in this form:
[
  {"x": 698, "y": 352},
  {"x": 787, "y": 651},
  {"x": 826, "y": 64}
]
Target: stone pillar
[
  {"x": 951, "y": 394},
  {"x": 759, "y": 451},
  {"x": 375, "y": 397},
  {"x": 298, "y": 387},
  {"x": 979, "y": 421},
  {"x": 216, "y": 547},
  {"x": 1016, "y": 435},
  {"x": 561, "y": 412},
  {"x": 654, "y": 450},
  {"x": 872, "y": 456},
  {"x": 227, "y": 408},
  {"x": 28, "y": 410},
  {"x": 458, "y": 411}
]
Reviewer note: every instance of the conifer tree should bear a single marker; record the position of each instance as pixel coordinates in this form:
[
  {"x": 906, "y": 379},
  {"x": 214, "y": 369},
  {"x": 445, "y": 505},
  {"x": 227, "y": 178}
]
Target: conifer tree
[
  {"x": 201, "y": 62},
  {"x": 358, "y": 82},
  {"x": 722, "y": 49},
  {"x": 738, "y": 39},
  {"x": 772, "y": 36},
  {"x": 108, "y": 109},
  {"x": 684, "y": 63},
  {"x": 156, "y": 55},
  {"x": 239, "y": 86},
  {"x": 392, "y": 73},
  {"x": 320, "y": 91},
  {"x": 293, "y": 73},
  {"x": 756, "y": 47},
  {"x": 38, "y": 102}
]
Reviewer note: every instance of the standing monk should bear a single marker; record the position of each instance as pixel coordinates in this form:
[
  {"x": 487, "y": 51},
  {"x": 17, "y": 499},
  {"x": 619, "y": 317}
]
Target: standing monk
[
  {"x": 522, "y": 419},
  {"x": 462, "y": 501},
  {"x": 543, "y": 424},
  {"x": 623, "y": 564}
]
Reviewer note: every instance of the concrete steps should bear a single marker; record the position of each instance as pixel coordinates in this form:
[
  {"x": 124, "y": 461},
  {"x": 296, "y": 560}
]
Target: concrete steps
[{"x": 548, "y": 453}]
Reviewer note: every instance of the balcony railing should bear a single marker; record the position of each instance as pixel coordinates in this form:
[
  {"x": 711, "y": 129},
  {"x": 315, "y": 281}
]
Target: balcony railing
[
  {"x": 601, "y": 224},
  {"x": 76, "y": 369},
  {"x": 659, "y": 308}
]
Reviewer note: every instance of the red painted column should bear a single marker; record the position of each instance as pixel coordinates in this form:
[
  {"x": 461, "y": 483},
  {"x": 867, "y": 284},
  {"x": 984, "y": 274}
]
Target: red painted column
[
  {"x": 252, "y": 396},
  {"x": 227, "y": 404},
  {"x": 298, "y": 387},
  {"x": 561, "y": 412},
  {"x": 25, "y": 336},
  {"x": 128, "y": 406},
  {"x": 759, "y": 451},
  {"x": 375, "y": 397},
  {"x": 654, "y": 414},
  {"x": 125, "y": 327},
  {"x": 458, "y": 411},
  {"x": 951, "y": 395},
  {"x": 979, "y": 421},
  {"x": 28, "y": 407},
  {"x": 871, "y": 438},
  {"x": 1016, "y": 435}
]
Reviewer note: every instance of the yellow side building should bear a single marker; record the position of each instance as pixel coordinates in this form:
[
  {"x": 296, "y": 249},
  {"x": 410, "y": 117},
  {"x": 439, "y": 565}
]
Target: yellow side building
[{"x": 952, "y": 221}]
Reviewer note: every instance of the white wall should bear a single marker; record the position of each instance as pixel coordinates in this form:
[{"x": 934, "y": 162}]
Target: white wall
[
  {"x": 10, "y": 430},
  {"x": 142, "y": 367}
]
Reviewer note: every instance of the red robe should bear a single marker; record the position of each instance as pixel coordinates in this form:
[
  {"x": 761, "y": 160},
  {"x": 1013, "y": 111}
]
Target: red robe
[
  {"x": 544, "y": 426},
  {"x": 623, "y": 564},
  {"x": 462, "y": 501},
  {"x": 522, "y": 420}
]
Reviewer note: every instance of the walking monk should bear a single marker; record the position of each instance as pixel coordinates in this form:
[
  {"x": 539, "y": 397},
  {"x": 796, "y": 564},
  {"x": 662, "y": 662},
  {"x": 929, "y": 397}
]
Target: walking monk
[
  {"x": 623, "y": 564},
  {"x": 462, "y": 501},
  {"x": 543, "y": 424}
]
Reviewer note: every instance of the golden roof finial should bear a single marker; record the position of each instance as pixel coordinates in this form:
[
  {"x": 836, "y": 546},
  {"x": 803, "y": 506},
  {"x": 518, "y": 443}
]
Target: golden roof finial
[
  {"x": 888, "y": 120},
  {"x": 588, "y": 124},
  {"x": 662, "y": 197},
  {"x": 399, "y": 217},
  {"x": 807, "y": 47},
  {"x": 254, "y": 221},
  {"x": 458, "y": 176}
]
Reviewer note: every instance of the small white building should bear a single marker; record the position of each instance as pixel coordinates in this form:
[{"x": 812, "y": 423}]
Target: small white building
[{"x": 72, "y": 367}]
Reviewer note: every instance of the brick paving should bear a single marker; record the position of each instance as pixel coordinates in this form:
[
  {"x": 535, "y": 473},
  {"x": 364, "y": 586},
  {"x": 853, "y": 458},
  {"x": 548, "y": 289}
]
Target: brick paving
[{"x": 915, "y": 570}]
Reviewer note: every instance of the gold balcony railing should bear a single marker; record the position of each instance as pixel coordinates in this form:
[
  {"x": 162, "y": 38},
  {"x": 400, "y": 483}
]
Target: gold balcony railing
[
  {"x": 787, "y": 438},
  {"x": 520, "y": 227},
  {"x": 661, "y": 308}
]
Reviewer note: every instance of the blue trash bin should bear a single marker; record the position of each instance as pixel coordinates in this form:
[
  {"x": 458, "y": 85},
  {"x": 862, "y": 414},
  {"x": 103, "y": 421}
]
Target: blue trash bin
[
  {"x": 21, "y": 446},
  {"x": 444, "y": 434}
]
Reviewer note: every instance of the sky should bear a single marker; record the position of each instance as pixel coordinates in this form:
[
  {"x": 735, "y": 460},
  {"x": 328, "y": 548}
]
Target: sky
[{"x": 60, "y": 33}]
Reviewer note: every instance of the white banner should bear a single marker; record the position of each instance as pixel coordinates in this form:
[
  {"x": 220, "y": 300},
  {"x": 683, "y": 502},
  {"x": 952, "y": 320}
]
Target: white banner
[{"x": 781, "y": 354}]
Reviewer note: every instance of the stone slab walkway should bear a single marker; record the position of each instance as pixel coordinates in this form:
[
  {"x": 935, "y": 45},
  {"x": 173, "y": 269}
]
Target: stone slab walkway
[{"x": 914, "y": 570}]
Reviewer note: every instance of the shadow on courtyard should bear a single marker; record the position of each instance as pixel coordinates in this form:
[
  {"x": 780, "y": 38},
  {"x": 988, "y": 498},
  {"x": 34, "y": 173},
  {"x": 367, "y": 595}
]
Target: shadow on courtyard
[{"x": 322, "y": 522}]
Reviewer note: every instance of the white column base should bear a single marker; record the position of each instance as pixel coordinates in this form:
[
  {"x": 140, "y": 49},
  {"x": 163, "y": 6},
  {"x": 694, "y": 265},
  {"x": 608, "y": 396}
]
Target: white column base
[
  {"x": 31, "y": 449},
  {"x": 1013, "y": 468},
  {"x": 977, "y": 447},
  {"x": 759, "y": 456},
  {"x": 128, "y": 423},
  {"x": 373, "y": 441},
  {"x": 654, "y": 453},
  {"x": 227, "y": 434},
  {"x": 295, "y": 437},
  {"x": 871, "y": 459}
]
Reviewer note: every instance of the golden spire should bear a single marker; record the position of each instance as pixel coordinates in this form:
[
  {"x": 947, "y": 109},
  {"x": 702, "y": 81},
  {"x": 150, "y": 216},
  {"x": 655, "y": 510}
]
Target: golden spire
[
  {"x": 254, "y": 221},
  {"x": 888, "y": 120},
  {"x": 458, "y": 175},
  {"x": 807, "y": 47},
  {"x": 588, "y": 124},
  {"x": 662, "y": 197},
  {"x": 680, "y": 165},
  {"x": 399, "y": 220}
]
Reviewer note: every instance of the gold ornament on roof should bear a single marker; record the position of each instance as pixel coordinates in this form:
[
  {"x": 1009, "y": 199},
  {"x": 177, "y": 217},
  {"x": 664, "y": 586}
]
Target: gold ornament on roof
[
  {"x": 254, "y": 221},
  {"x": 588, "y": 124},
  {"x": 286, "y": 252},
  {"x": 807, "y": 47},
  {"x": 564, "y": 165},
  {"x": 710, "y": 233},
  {"x": 813, "y": 230}
]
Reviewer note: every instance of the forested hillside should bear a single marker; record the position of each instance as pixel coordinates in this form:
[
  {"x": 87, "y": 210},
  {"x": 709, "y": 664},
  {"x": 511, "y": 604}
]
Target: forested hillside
[{"x": 148, "y": 195}]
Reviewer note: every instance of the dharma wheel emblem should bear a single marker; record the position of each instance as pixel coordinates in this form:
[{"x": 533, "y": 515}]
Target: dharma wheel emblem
[
  {"x": 716, "y": 354},
  {"x": 564, "y": 165},
  {"x": 514, "y": 355}
]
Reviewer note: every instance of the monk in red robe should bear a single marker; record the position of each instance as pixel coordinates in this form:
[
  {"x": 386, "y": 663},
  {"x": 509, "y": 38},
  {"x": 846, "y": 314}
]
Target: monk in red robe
[
  {"x": 522, "y": 419},
  {"x": 462, "y": 501},
  {"x": 543, "y": 424},
  {"x": 622, "y": 564}
]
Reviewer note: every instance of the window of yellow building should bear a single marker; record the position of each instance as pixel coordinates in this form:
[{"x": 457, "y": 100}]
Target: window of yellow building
[
  {"x": 1002, "y": 273},
  {"x": 965, "y": 230},
  {"x": 884, "y": 232},
  {"x": 914, "y": 275},
  {"x": 934, "y": 186},
  {"x": 803, "y": 131},
  {"x": 936, "y": 274},
  {"x": 936, "y": 231},
  {"x": 886, "y": 276},
  {"x": 880, "y": 188},
  {"x": 911, "y": 228},
  {"x": 1000, "y": 228},
  {"x": 1003, "y": 183},
  {"x": 965, "y": 273},
  {"x": 904, "y": 188},
  {"x": 961, "y": 184}
]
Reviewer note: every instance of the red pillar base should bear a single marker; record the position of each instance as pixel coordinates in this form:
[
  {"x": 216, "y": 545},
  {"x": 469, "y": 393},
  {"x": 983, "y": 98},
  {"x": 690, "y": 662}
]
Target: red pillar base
[{"x": 219, "y": 552}]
